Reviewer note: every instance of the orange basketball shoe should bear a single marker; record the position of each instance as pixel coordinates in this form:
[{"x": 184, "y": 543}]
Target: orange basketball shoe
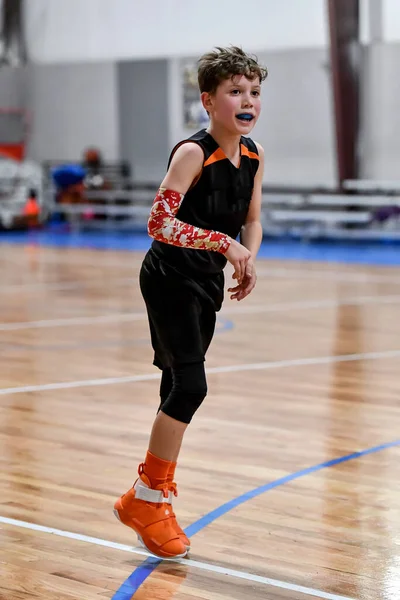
[
  {"x": 149, "y": 513},
  {"x": 178, "y": 529},
  {"x": 182, "y": 535}
]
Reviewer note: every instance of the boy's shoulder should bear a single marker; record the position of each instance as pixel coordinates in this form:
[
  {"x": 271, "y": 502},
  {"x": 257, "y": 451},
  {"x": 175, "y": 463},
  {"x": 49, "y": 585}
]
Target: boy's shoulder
[
  {"x": 187, "y": 148},
  {"x": 191, "y": 148},
  {"x": 186, "y": 155}
]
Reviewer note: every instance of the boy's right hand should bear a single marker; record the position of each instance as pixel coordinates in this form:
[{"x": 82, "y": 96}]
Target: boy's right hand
[{"x": 238, "y": 256}]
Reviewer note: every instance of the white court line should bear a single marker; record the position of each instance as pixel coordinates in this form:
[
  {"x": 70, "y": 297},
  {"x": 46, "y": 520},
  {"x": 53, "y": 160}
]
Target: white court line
[
  {"x": 187, "y": 562},
  {"x": 307, "y": 304},
  {"x": 52, "y": 257},
  {"x": 232, "y": 310},
  {"x": 67, "y": 285},
  {"x": 70, "y": 321},
  {"x": 326, "y": 274},
  {"x": 278, "y": 364}
]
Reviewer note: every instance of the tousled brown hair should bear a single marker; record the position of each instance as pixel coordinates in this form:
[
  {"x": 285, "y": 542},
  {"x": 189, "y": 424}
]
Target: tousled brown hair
[{"x": 224, "y": 63}]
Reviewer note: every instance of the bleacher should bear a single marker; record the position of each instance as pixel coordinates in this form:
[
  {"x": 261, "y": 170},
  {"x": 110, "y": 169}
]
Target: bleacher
[{"x": 362, "y": 209}]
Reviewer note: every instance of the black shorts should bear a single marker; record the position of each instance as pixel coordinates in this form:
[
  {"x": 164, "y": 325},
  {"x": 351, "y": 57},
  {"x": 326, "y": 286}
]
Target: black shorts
[{"x": 181, "y": 315}]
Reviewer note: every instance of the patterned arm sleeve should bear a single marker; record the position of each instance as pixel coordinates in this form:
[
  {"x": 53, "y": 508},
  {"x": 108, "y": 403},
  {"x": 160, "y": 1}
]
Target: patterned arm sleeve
[{"x": 163, "y": 226}]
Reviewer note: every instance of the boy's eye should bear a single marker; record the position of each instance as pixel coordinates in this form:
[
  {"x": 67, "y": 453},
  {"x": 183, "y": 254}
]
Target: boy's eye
[
  {"x": 236, "y": 92},
  {"x": 255, "y": 93}
]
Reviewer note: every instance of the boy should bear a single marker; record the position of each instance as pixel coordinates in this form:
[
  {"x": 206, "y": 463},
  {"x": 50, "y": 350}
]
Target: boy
[{"x": 210, "y": 194}]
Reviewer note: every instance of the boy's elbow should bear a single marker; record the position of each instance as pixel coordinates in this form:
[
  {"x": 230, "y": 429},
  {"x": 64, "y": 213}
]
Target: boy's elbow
[
  {"x": 159, "y": 225},
  {"x": 151, "y": 227},
  {"x": 155, "y": 226}
]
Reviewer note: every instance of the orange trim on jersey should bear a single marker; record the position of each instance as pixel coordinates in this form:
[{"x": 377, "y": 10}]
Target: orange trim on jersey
[
  {"x": 246, "y": 152},
  {"x": 219, "y": 154}
]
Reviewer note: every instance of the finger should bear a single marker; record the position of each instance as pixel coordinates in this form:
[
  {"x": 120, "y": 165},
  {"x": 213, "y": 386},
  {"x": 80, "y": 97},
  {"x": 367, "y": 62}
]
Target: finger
[
  {"x": 240, "y": 296},
  {"x": 249, "y": 268},
  {"x": 239, "y": 292},
  {"x": 236, "y": 271},
  {"x": 242, "y": 269},
  {"x": 239, "y": 270},
  {"x": 238, "y": 289},
  {"x": 250, "y": 286},
  {"x": 246, "y": 287},
  {"x": 248, "y": 291}
]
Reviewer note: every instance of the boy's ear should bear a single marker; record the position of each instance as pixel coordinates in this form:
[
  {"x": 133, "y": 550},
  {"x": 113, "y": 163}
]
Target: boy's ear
[{"x": 206, "y": 100}]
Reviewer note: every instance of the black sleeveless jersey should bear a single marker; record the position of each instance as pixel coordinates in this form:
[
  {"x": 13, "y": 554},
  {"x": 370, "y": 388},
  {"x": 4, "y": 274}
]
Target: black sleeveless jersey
[{"x": 219, "y": 200}]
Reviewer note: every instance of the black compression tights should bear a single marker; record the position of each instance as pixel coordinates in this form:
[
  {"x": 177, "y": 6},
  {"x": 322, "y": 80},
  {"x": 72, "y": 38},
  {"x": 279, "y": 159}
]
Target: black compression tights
[{"x": 182, "y": 390}]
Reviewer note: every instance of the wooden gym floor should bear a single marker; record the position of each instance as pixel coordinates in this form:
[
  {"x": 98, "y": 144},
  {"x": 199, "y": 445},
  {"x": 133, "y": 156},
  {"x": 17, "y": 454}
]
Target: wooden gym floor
[{"x": 303, "y": 372}]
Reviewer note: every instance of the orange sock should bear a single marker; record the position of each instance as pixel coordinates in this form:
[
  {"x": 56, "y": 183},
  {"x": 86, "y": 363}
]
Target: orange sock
[
  {"x": 156, "y": 469},
  {"x": 171, "y": 472}
]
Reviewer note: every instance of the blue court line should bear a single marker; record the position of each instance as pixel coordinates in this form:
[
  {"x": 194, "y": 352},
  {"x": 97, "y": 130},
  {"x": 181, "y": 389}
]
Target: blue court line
[{"x": 143, "y": 571}]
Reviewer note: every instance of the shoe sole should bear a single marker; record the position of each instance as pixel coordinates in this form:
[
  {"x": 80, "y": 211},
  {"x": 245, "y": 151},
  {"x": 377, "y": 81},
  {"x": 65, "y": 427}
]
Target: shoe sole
[
  {"x": 141, "y": 542},
  {"x": 145, "y": 547}
]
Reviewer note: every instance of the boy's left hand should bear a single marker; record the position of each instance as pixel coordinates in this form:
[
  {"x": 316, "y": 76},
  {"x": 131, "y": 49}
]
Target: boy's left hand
[{"x": 247, "y": 285}]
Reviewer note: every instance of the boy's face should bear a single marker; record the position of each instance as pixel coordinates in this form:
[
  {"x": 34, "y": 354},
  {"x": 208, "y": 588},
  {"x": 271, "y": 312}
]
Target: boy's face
[{"x": 235, "y": 105}]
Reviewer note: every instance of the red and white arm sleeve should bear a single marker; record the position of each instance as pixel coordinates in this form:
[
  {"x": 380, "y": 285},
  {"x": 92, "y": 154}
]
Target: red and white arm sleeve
[{"x": 163, "y": 226}]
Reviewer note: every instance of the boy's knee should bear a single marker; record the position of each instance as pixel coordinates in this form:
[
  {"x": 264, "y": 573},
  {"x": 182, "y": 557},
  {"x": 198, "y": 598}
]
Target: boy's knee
[{"x": 188, "y": 392}]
